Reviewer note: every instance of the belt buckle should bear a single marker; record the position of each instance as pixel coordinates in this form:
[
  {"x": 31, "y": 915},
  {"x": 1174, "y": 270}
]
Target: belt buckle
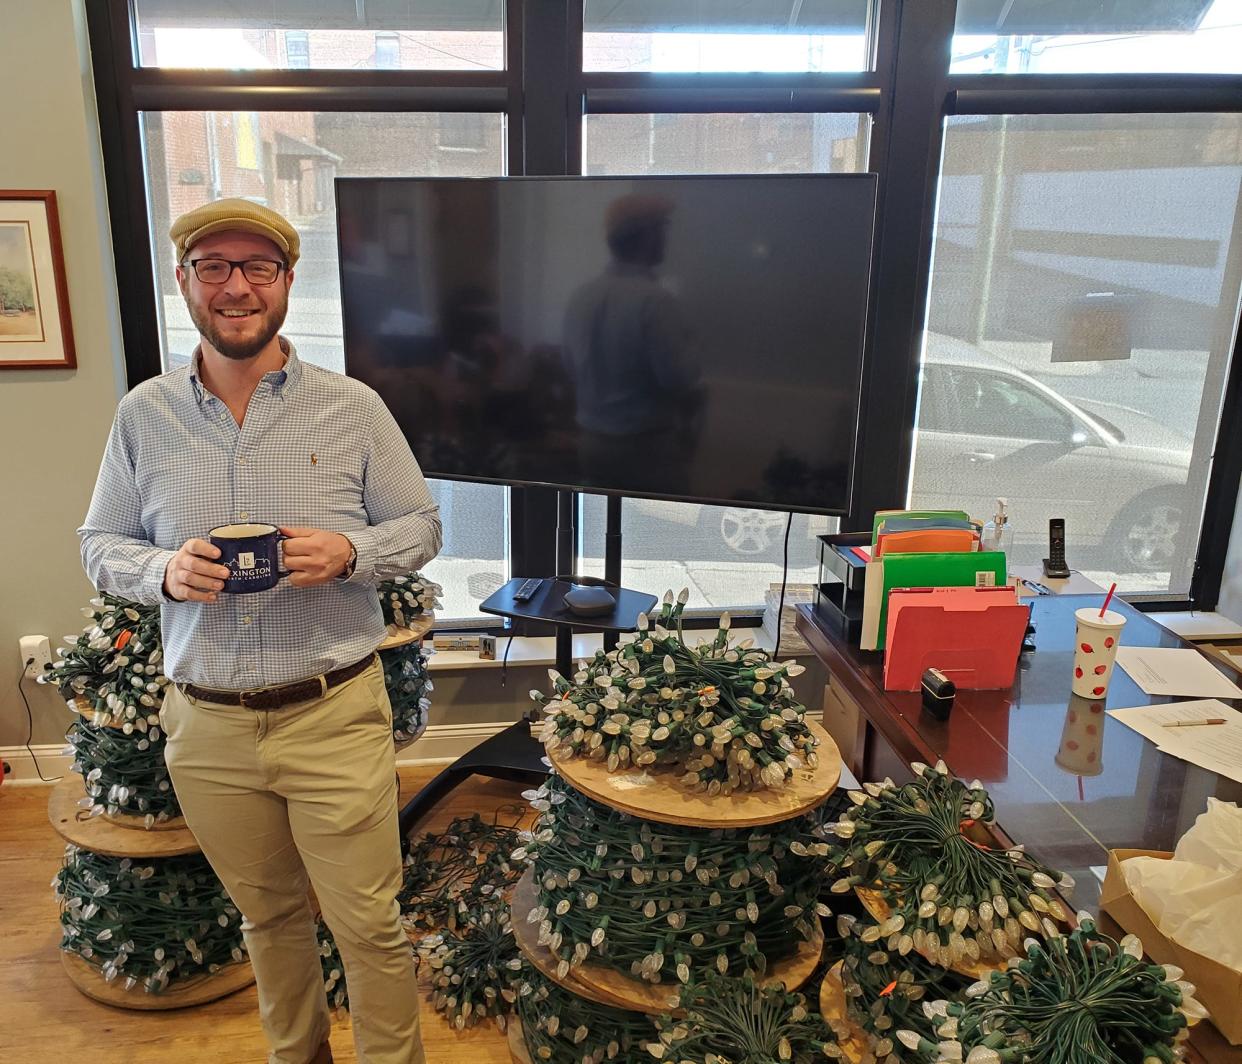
[{"x": 242, "y": 696}]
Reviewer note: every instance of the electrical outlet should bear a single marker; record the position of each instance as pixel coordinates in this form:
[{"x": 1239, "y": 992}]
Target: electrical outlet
[{"x": 38, "y": 647}]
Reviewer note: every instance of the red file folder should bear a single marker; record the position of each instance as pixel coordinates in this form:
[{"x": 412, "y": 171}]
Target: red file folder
[{"x": 971, "y": 634}]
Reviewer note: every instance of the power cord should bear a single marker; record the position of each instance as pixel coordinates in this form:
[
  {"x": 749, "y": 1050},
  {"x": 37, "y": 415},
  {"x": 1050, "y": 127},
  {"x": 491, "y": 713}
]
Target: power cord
[
  {"x": 504, "y": 662},
  {"x": 780, "y": 609},
  {"x": 30, "y": 725}
]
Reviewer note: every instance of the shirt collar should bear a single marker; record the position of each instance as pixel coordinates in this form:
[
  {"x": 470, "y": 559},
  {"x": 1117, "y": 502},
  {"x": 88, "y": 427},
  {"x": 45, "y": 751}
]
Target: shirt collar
[{"x": 289, "y": 373}]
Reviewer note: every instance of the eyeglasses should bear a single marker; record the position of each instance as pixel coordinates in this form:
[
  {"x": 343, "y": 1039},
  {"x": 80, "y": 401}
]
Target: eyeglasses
[{"x": 218, "y": 271}]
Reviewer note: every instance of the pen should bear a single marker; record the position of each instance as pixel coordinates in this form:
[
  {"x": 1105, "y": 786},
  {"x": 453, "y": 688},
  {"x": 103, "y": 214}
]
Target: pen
[
  {"x": 1193, "y": 723},
  {"x": 1039, "y": 589}
]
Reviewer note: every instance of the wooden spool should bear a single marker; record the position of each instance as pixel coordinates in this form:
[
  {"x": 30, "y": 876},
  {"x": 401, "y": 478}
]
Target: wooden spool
[
  {"x": 416, "y": 632},
  {"x": 658, "y": 795},
  {"x": 607, "y": 986},
  {"x": 113, "y": 836},
  {"x": 517, "y": 1041},
  {"x": 197, "y": 990},
  {"x": 833, "y": 1008}
]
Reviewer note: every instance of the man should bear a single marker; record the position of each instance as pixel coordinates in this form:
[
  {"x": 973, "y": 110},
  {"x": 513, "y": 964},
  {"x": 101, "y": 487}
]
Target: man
[{"x": 279, "y": 725}]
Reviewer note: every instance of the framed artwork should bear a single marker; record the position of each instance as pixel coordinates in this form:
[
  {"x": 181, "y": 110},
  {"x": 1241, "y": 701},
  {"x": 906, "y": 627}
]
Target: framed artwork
[{"x": 36, "y": 331}]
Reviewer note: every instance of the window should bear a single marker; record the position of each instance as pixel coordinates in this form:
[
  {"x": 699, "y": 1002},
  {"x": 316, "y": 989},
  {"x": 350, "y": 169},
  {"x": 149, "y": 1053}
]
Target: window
[
  {"x": 309, "y": 152},
  {"x": 701, "y": 35},
  {"x": 444, "y": 35},
  {"x": 725, "y": 143},
  {"x": 1066, "y": 345},
  {"x": 1097, "y": 36},
  {"x": 1084, "y": 295}
]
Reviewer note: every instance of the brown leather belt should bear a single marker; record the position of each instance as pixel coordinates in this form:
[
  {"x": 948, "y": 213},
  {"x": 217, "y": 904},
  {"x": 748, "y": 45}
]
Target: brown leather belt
[{"x": 282, "y": 694}]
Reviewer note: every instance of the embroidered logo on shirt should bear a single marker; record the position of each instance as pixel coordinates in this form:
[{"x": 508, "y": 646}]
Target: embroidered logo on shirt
[{"x": 314, "y": 458}]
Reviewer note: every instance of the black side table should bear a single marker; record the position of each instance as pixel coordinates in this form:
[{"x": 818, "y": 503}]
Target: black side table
[{"x": 513, "y": 754}]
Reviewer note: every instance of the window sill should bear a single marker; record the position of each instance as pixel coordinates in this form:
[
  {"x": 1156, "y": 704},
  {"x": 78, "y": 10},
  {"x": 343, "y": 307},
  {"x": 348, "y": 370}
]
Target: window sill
[{"x": 540, "y": 651}]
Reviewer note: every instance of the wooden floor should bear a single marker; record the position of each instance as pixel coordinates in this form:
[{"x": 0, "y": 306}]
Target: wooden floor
[{"x": 43, "y": 1018}]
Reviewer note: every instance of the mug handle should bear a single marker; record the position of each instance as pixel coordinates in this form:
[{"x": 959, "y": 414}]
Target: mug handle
[{"x": 280, "y": 538}]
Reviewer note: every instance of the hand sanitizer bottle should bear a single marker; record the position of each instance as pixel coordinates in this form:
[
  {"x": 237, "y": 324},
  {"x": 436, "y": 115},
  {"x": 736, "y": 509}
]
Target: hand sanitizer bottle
[{"x": 993, "y": 535}]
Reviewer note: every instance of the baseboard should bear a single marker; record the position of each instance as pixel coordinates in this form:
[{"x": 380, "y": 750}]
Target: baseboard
[
  {"x": 439, "y": 744},
  {"x": 442, "y": 743},
  {"x": 21, "y": 771}
]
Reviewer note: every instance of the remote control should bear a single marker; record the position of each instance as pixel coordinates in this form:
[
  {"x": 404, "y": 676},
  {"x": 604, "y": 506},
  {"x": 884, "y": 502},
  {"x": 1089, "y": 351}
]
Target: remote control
[
  {"x": 526, "y": 591},
  {"x": 1054, "y": 564}
]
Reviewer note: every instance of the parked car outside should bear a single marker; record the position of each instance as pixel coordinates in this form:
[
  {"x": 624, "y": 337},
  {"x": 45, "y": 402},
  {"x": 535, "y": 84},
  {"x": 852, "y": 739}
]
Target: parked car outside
[{"x": 986, "y": 429}]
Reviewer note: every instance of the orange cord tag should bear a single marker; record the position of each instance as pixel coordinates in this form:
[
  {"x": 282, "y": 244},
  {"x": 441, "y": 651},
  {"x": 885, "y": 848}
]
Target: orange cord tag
[
  {"x": 126, "y": 635},
  {"x": 889, "y": 989}
]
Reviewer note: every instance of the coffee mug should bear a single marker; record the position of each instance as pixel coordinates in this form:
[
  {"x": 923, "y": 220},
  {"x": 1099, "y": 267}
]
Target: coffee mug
[{"x": 252, "y": 553}]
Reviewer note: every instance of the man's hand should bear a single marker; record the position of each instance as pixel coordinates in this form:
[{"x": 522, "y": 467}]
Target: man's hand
[
  {"x": 191, "y": 574},
  {"x": 314, "y": 556}
]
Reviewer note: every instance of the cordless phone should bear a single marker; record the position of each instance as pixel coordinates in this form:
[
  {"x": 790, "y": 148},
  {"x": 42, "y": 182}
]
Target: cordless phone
[{"x": 1054, "y": 564}]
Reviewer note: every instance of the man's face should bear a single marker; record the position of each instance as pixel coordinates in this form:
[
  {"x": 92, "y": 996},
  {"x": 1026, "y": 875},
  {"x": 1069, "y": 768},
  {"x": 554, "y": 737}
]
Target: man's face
[{"x": 237, "y": 318}]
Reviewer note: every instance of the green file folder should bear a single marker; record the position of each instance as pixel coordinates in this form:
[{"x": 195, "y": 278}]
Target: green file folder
[{"x": 964, "y": 569}]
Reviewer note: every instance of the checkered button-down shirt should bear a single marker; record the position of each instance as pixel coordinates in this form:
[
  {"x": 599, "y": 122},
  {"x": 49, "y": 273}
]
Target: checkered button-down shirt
[{"x": 315, "y": 449}]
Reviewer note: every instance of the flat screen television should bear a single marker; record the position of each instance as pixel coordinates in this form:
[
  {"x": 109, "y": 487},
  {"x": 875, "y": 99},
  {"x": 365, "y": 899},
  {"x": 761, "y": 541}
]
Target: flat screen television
[{"x": 668, "y": 337}]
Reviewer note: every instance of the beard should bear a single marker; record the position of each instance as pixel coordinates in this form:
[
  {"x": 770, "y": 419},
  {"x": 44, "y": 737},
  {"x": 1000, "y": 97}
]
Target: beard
[{"x": 239, "y": 349}]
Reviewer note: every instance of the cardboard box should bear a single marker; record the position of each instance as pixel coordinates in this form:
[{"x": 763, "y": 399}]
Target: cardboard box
[{"x": 1218, "y": 987}]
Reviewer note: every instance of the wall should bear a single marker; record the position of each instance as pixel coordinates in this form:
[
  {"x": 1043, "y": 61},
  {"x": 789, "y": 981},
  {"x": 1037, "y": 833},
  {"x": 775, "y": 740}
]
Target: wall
[{"x": 53, "y": 423}]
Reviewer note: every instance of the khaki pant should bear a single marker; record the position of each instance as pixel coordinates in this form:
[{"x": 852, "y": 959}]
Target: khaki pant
[{"x": 275, "y": 795}]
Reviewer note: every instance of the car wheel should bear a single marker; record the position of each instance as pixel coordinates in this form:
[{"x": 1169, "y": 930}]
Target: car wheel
[
  {"x": 750, "y": 531},
  {"x": 1147, "y": 532}
]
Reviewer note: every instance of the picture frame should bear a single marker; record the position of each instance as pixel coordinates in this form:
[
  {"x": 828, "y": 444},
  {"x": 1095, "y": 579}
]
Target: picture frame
[{"x": 36, "y": 330}]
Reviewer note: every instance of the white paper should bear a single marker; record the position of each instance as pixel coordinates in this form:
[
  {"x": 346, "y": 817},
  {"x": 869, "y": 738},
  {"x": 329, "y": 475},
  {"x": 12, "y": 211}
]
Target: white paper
[
  {"x": 1215, "y": 747},
  {"x": 1175, "y": 671}
]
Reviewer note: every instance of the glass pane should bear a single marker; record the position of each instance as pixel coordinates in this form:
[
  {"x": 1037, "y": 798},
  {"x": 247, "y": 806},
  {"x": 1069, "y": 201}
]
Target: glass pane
[
  {"x": 1084, "y": 295},
  {"x": 288, "y": 160},
  {"x": 706, "y": 35},
  {"x": 725, "y": 144},
  {"x": 474, "y": 558},
  {"x": 314, "y": 34},
  {"x": 727, "y": 556},
  {"x": 1097, "y": 37}
]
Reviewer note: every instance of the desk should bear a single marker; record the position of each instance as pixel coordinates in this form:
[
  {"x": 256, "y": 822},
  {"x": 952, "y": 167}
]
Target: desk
[{"x": 1010, "y": 740}]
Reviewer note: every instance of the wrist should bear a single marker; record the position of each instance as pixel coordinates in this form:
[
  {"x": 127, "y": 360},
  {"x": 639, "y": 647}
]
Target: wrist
[{"x": 351, "y": 562}]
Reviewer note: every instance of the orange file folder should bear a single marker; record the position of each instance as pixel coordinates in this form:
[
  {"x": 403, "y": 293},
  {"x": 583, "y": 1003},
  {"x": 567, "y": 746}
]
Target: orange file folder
[
  {"x": 926, "y": 541},
  {"x": 971, "y": 634}
]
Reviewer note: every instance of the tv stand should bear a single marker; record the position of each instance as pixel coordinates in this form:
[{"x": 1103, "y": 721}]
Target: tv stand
[{"x": 514, "y": 754}]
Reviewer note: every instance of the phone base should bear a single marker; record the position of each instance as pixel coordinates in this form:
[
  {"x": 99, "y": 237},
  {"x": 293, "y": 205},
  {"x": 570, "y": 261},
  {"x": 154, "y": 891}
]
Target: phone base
[{"x": 1056, "y": 572}]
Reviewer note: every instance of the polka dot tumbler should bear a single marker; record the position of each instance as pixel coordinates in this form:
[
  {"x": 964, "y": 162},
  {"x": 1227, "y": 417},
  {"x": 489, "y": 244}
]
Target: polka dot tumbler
[{"x": 1095, "y": 650}]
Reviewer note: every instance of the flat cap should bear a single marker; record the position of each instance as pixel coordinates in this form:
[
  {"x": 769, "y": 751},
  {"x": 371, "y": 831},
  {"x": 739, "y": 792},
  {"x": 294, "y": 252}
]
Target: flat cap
[{"x": 224, "y": 214}]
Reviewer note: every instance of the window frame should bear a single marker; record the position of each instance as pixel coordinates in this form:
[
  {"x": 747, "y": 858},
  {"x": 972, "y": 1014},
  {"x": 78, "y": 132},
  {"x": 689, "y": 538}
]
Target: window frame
[{"x": 545, "y": 95}]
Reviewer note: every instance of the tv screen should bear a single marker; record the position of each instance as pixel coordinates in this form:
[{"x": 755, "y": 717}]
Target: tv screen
[{"x": 672, "y": 337}]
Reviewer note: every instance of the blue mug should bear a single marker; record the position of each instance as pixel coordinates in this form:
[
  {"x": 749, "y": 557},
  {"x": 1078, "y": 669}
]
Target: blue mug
[{"x": 252, "y": 553}]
